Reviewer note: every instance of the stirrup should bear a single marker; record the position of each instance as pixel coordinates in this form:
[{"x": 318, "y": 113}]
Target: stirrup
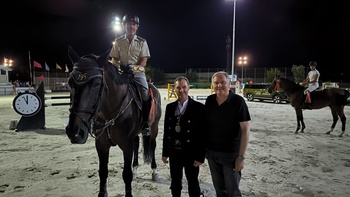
[{"x": 146, "y": 130}]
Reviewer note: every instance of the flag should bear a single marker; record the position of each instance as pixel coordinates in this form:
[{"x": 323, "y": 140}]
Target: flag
[
  {"x": 58, "y": 66},
  {"x": 47, "y": 68},
  {"x": 41, "y": 78},
  {"x": 67, "y": 70},
  {"x": 37, "y": 65}
]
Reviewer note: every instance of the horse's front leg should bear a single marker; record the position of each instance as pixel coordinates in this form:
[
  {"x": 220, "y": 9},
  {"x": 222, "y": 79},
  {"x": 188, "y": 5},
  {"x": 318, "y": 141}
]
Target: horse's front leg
[
  {"x": 127, "y": 172},
  {"x": 103, "y": 155}
]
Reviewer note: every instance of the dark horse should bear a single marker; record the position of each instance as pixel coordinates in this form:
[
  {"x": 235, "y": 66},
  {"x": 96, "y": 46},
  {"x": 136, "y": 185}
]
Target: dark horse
[
  {"x": 334, "y": 98},
  {"x": 106, "y": 105}
]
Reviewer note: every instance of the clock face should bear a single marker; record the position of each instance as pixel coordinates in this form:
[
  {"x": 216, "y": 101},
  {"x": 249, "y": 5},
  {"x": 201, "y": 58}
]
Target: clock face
[{"x": 27, "y": 104}]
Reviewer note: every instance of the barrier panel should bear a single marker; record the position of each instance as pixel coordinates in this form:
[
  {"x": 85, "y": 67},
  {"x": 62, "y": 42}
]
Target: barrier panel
[
  {"x": 171, "y": 91},
  {"x": 54, "y": 98},
  {"x": 201, "y": 97},
  {"x": 31, "y": 105}
]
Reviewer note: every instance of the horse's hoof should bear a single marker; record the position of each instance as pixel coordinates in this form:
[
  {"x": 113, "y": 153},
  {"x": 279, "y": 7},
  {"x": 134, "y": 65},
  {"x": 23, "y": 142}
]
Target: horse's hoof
[
  {"x": 341, "y": 135},
  {"x": 128, "y": 194},
  {"x": 155, "y": 177},
  {"x": 102, "y": 194}
]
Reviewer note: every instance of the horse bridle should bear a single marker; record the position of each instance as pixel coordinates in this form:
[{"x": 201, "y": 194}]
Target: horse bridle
[
  {"x": 111, "y": 122},
  {"x": 82, "y": 76}
]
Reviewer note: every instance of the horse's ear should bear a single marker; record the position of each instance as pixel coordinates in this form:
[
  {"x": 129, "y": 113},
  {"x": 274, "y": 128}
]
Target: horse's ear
[
  {"x": 104, "y": 57},
  {"x": 73, "y": 56},
  {"x": 278, "y": 76}
]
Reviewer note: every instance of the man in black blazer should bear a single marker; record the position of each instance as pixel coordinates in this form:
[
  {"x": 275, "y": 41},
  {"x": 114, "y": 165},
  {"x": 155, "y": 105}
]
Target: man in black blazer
[{"x": 183, "y": 139}]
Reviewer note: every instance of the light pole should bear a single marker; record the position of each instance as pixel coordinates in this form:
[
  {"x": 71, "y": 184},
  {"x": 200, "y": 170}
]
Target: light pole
[
  {"x": 117, "y": 26},
  {"x": 8, "y": 63},
  {"x": 242, "y": 61},
  {"x": 233, "y": 36},
  {"x": 228, "y": 49}
]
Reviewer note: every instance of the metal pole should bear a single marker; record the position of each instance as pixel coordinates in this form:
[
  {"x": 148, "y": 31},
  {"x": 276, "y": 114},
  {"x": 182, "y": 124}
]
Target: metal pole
[
  {"x": 228, "y": 49},
  {"x": 233, "y": 37},
  {"x": 242, "y": 74},
  {"x": 30, "y": 71}
]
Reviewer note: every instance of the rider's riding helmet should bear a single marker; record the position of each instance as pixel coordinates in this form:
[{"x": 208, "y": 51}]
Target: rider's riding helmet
[
  {"x": 313, "y": 63},
  {"x": 131, "y": 18}
]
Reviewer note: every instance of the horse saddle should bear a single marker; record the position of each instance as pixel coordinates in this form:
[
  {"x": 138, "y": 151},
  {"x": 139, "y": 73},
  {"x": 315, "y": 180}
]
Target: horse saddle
[
  {"x": 313, "y": 95},
  {"x": 136, "y": 93},
  {"x": 135, "y": 89}
]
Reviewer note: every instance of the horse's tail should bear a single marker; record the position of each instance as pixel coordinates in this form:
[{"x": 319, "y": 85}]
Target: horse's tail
[
  {"x": 347, "y": 95},
  {"x": 343, "y": 99},
  {"x": 149, "y": 141},
  {"x": 148, "y": 151}
]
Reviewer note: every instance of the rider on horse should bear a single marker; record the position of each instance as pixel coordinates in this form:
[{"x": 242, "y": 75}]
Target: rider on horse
[
  {"x": 130, "y": 53},
  {"x": 311, "y": 81}
]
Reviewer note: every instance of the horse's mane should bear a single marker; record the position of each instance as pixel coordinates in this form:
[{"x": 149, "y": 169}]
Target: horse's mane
[
  {"x": 113, "y": 73},
  {"x": 290, "y": 86},
  {"x": 108, "y": 67}
]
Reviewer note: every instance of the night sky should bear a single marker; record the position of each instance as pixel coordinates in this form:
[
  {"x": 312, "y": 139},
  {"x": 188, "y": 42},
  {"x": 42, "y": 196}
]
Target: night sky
[{"x": 183, "y": 34}]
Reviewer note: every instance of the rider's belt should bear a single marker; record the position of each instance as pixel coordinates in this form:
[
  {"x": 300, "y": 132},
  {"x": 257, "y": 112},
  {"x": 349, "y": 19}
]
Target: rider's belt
[{"x": 138, "y": 69}]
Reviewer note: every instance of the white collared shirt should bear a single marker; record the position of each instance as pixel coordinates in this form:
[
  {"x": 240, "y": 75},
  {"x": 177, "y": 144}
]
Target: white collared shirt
[{"x": 181, "y": 108}]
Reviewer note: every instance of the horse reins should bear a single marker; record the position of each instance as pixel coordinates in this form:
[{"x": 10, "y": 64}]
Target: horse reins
[{"x": 110, "y": 122}]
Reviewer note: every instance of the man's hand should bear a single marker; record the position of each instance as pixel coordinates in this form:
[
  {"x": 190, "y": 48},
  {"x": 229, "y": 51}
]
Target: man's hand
[
  {"x": 197, "y": 163},
  {"x": 165, "y": 160}
]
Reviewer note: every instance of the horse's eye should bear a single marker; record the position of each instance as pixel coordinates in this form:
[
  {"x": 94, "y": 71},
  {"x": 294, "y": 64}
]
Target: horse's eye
[{"x": 97, "y": 84}]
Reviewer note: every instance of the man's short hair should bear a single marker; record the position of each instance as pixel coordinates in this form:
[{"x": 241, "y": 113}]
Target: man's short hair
[
  {"x": 181, "y": 78},
  {"x": 220, "y": 73}
]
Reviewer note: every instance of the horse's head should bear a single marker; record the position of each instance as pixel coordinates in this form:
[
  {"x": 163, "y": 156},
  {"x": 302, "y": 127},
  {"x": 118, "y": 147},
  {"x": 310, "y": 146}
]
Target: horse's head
[
  {"x": 86, "y": 83},
  {"x": 275, "y": 82}
]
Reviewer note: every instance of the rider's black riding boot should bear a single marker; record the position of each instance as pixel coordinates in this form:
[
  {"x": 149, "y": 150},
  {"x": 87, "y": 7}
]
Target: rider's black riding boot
[{"x": 146, "y": 128}]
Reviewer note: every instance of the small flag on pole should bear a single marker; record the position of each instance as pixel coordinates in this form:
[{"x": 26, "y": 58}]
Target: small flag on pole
[
  {"x": 47, "y": 68},
  {"x": 37, "y": 65},
  {"x": 58, "y": 66},
  {"x": 67, "y": 70},
  {"x": 41, "y": 77}
]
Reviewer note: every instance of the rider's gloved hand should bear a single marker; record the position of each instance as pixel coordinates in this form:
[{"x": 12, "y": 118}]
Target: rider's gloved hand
[{"x": 127, "y": 70}]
